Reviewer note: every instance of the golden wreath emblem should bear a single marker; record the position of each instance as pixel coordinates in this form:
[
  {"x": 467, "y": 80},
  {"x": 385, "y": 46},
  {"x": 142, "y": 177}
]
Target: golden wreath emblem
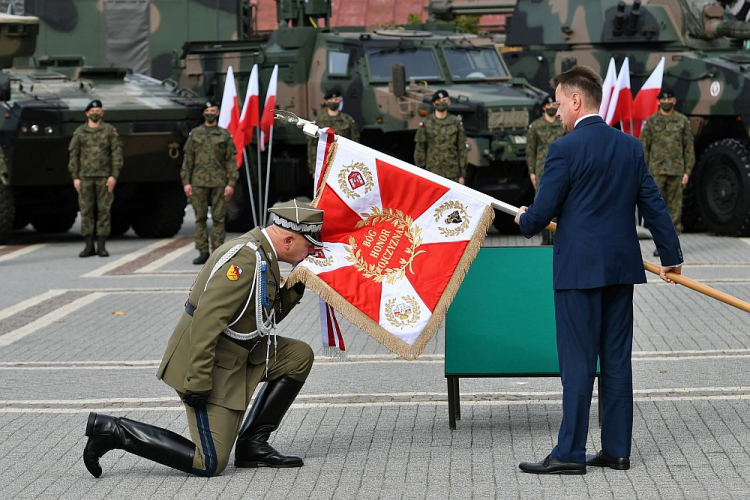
[
  {"x": 319, "y": 258},
  {"x": 399, "y": 221},
  {"x": 353, "y": 177},
  {"x": 403, "y": 313},
  {"x": 449, "y": 214}
]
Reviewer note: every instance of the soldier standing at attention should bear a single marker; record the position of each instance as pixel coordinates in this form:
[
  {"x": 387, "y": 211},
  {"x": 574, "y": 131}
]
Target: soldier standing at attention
[
  {"x": 223, "y": 346},
  {"x": 342, "y": 123},
  {"x": 542, "y": 132},
  {"x": 669, "y": 154},
  {"x": 209, "y": 174},
  {"x": 440, "y": 143},
  {"x": 95, "y": 163}
]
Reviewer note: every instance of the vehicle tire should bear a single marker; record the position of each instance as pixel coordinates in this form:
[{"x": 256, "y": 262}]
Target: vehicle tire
[
  {"x": 61, "y": 219},
  {"x": 239, "y": 215},
  {"x": 722, "y": 187},
  {"x": 21, "y": 220},
  {"x": 120, "y": 223},
  {"x": 7, "y": 212},
  {"x": 161, "y": 211},
  {"x": 691, "y": 218}
]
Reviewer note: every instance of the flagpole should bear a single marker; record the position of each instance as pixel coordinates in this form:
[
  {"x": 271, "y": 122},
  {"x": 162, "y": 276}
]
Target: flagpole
[
  {"x": 268, "y": 168},
  {"x": 250, "y": 186},
  {"x": 261, "y": 219}
]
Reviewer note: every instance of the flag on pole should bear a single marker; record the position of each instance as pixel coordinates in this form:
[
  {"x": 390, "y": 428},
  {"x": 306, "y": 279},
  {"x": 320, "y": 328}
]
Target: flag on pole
[
  {"x": 646, "y": 102},
  {"x": 250, "y": 109},
  {"x": 607, "y": 87},
  {"x": 266, "y": 121},
  {"x": 229, "y": 116},
  {"x": 398, "y": 242},
  {"x": 621, "y": 102}
]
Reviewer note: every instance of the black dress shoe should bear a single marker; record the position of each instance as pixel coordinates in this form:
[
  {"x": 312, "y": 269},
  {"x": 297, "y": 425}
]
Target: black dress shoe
[
  {"x": 551, "y": 465},
  {"x": 601, "y": 459}
]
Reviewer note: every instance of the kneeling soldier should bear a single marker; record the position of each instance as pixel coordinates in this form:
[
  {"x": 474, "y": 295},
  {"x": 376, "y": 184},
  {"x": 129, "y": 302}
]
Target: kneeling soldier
[{"x": 220, "y": 351}]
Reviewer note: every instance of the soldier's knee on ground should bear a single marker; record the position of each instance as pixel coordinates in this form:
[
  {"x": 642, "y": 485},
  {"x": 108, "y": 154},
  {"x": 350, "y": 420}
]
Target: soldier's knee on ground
[{"x": 302, "y": 358}]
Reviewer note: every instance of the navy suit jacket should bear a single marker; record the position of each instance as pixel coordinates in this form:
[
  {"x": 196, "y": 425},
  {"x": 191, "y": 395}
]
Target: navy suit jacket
[{"x": 593, "y": 179}]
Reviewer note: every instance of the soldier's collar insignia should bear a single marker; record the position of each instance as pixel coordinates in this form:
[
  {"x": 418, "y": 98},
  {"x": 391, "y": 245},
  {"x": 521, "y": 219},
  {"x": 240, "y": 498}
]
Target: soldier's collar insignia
[{"x": 234, "y": 272}]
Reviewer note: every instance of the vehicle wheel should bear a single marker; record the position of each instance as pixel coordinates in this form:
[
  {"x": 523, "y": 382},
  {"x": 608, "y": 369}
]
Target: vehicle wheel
[
  {"x": 691, "y": 218},
  {"x": 7, "y": 212},
  {"x": 21, "y": 220},
  {"x": 722, "y": 186},
  {"x": 239, "y": 218},
  {"x": 120, "y": 223},
  {"x": 61, "y": 219},
  {"x": 161, "y": 211}
]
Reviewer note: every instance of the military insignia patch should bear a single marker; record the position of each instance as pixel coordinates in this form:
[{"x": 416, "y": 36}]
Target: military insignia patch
[
  {"x": 452, "y": 217},
  {"x": 234, "y": 272},
  {"x": 355, "y": 179},
  {"x": 319, "y": 258},
  {"x": 402, "y": 313}
]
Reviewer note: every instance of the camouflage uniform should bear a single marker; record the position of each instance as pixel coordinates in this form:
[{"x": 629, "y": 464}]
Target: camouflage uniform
[
  {"x": 343, "y": 124},
  {"x": 95, "y": 155},
  {"x": 668, "y": 151},
  {"x": 209, "y": 166},
  {"x": 440, "y": 146},
  {"x": 541, "y": 134}
]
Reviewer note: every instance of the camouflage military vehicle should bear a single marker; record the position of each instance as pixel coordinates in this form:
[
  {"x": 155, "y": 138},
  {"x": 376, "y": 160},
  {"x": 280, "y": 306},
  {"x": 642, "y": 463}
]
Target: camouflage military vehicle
[
  {"x": 387, "y": 77},
  {"x": 706, "y": 65},
  {"x": 44, "y": 103}
]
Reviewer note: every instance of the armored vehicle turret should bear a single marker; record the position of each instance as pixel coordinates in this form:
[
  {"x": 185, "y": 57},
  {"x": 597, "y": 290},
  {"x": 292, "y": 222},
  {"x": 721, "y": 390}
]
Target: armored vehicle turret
[
  {"x": 44, "y": 102},
  {"x": 707, "y": 62}
]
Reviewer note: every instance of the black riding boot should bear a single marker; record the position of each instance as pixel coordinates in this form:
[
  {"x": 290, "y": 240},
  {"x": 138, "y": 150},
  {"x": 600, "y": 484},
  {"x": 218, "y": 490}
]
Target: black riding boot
[
  {"x": 154, "y": 443},
  {"x": 273, "y": 401},
  {"x": 100, "y": 248},
  {"x": 89, "y": 250},
  {"x": 201, "y": 259}
]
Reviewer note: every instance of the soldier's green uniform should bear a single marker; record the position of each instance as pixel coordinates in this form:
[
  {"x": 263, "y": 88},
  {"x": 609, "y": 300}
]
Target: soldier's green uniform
[
  {"x": 669, "y": 153},
  {"x": 95, "y": 155},
  {"x": 541, "y": 134},
  {"x": 207, "y": 356},
  {"x": 344, "y": 126},
  {"x": 209, "y": 166},
  {"x": 440, "y": 146}
]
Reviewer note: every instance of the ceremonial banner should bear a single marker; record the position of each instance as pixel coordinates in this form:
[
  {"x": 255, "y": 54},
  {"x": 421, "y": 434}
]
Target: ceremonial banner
[{"x": 398, "y": 242}]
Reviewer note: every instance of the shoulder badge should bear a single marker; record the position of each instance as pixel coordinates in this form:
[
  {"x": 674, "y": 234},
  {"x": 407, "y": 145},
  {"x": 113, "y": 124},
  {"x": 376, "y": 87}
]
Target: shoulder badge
[{"x": 234, "y": 272}]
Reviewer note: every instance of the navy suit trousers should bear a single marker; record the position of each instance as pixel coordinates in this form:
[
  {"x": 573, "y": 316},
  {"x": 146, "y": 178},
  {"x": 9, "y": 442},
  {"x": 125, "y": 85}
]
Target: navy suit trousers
[{"x": 595, "y": 323}]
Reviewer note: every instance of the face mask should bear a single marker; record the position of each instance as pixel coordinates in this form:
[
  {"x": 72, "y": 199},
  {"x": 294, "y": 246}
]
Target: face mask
[
  {"x": 666, "y": 106},
  {"x": 333, "y": 106},
  {"x": 210, "y": 117},
  {"x": 442, "y": 106},
  {"x": 95, "y": 117},
  {"x": 553, "y": 111}
]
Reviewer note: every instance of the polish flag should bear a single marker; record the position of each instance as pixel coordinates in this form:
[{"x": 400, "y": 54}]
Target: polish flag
[
  {"x": 229, "y": 117},
  {"x": 646, "y": 102},
  {"x": 621, "y": 102},
  {"x": 266, "y": 121},
  {"x": 607, "y": 87},
  {"x": 250, "y": 109}
]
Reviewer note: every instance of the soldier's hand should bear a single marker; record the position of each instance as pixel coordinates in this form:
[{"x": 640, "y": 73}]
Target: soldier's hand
[
  {"x": 228, "y": 192},
  {"x": 196, "y": 399},
  {"x": 77, "y": 185},
  {"x": 461, "y": 180},
  {"x": 685, "y": 179},
  {"x": 533, "y": 180},
  {"x": 188, "y": 190},
  {"x": 111, "y": 181}
]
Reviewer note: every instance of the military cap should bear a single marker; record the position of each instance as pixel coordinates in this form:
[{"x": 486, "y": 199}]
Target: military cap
[
  {"x": 548, "y": 100},
  {"x": 210, "y": 104},
  {"x": 96, "y": 103},
  {"x": 665, "y": 93},
  {"x": 332, "y": 93},
  {"x": 440, "y": 94},
  {"x": 299, "y": 218}
]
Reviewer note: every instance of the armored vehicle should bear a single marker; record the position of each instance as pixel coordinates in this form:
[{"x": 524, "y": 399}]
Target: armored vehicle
[
  {"x": 387, "y": 77},
  {"x": 44, "y": 104},
  {"x": 706, "y": 65}
]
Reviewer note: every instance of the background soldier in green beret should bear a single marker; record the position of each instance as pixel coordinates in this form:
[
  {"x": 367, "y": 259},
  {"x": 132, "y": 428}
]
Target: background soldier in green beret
[
  {"x": 95, "y": 163},
  {"x": 343, "y": 124},
  {"x": 668, "y": 151},
  {"x": 221, "y": 349},
  {"x": 440, "y": 143},
  {"x": 209, "y": 174},
  {"x": 542, "y": 132}
]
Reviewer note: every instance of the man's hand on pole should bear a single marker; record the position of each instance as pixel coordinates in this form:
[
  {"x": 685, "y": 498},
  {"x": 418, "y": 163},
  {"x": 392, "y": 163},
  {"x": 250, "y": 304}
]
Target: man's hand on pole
[
  {"x": 664, "y": 270},
  {"x": 520, "y": 212}
]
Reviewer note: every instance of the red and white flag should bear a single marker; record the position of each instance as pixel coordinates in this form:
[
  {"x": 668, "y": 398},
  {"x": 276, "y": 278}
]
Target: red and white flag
[
  {"x": 330, "y": 332},
  {"x": 266, "y": 121},
  {"x": 646, "y": 102},
  {"x": 250, "y": 109},
  {"x": 607, "y": 87},
  {"x": 229, "y": 116},
  {"x": 621, "y": 102},
  {"x": 398, "y": 242}
]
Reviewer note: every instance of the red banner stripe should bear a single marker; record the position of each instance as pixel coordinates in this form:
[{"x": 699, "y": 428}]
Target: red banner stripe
[
  {"x": 342, "y": 219},
  {"x": 411, "y": 194},
  {"x": 364, "y": 294},
  {"x": 432, "y": 273}
]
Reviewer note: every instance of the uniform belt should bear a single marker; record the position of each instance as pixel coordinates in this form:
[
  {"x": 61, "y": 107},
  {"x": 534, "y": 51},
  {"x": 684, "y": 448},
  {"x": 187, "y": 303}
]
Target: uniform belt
[{"x": 189, "y": 308}]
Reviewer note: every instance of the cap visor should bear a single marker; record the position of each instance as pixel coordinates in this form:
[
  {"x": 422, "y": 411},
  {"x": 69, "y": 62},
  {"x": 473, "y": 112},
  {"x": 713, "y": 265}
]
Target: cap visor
[{"x": 314, "y": 239}]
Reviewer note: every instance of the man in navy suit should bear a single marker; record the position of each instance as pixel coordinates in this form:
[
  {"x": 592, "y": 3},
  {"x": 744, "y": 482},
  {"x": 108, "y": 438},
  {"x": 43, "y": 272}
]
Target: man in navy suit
[{"x": 593, "y": 179}]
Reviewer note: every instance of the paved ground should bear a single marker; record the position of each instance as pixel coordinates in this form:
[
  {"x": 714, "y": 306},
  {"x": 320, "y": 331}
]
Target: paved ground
[{"x": 86, "y": 334}]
